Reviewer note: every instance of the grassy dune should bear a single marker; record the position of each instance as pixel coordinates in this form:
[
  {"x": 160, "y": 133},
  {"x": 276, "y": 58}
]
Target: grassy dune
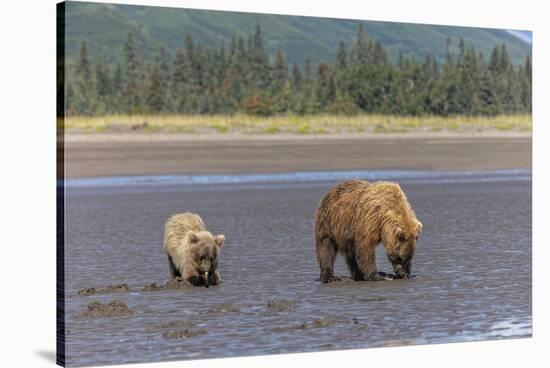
[{"x": 291, "y": 124}]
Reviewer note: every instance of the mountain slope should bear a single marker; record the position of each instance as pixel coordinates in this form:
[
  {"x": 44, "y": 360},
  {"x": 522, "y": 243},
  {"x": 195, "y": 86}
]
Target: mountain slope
[{"x": 104, "y": 27}]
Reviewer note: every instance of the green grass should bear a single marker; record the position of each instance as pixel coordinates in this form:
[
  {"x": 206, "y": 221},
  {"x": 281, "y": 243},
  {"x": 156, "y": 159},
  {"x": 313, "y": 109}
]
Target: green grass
[
  {"x": 304, "y": 129},
  {"x": 504, "y": 126},
  {"x": 293, "y": 124},
  {"x": 452, "y": 125},
  {"x": 221, "y": 128},
  {"x": 271, "y": 129},
  {"x": 410, "y": 124}
]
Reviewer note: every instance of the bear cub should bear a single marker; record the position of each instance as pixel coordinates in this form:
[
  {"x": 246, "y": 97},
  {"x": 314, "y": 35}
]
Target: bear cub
[
  {"x": 354, "y": 217},
  {"x": 192, "y": 250}
]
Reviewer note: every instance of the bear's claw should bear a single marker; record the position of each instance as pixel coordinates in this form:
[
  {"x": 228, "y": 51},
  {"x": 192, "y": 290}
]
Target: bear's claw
[{"x": 331, "y": 279}]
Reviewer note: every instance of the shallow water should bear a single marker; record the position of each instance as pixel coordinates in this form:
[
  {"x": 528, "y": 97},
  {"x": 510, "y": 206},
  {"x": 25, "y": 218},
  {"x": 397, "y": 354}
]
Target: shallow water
[{"x": 473, "y": 264}]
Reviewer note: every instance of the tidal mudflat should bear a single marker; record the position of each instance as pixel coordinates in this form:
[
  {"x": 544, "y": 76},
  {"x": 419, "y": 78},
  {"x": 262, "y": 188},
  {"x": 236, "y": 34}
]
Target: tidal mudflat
[{"x": 473, "y": 267}]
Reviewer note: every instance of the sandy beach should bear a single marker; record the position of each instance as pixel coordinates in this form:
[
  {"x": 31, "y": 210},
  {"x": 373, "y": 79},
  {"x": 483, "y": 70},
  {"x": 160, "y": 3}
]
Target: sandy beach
[{"x": 89, "y": 155}]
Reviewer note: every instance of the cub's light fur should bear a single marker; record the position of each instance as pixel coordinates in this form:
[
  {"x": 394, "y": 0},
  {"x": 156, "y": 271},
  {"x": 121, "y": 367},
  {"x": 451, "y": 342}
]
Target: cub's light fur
[
  {"x": 354, "y": 217},
  {"x": 192, "y": 250}
]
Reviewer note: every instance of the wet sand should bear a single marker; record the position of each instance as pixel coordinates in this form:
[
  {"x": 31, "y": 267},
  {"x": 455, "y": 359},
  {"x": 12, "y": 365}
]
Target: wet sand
[
  {"x": 106, "y": 155},
  {"x": 473, "y": 267}
]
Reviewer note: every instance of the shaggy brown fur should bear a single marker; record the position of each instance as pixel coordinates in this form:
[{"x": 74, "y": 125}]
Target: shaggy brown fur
[
  {"x": 354, "y": 217},
  {"x": 192, "y": 251}
]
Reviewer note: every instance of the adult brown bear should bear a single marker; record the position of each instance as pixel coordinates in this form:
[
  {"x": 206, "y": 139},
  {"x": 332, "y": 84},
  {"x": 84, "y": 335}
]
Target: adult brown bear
[{"x": 354, "y": 217}]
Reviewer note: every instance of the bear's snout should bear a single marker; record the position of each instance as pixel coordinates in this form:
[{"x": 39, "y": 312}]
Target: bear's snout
[{"x": 402, "y": 270}]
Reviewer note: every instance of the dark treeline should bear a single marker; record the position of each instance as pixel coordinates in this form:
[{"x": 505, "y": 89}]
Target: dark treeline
[{"x": 242, "y": 78}]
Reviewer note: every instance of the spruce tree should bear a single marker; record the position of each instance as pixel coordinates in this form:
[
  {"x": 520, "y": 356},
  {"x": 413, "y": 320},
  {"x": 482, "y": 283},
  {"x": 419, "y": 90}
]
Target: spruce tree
[
  {"x": 104, "y": 79},
  {"x": 526, "y": 76},
  {"x": 280, "y": 71},
  {"x": 118, "y": 88},
  {"x": 297, "y": 77},
  {"x": 308, "y": 68},
  {"x": 155, "y": 92},
  {"x": 361, "y": 46},
  {"x": 379, "y": 54},
  {"x": 260, "y": 68},
  {"x": 326, "y": 86},
  {"x": 235, "y": 80},
  {"x": 83, "y": 65},
  {"x": 221, "y": 63},
  {"x": 132, "y": 89},
  {"x": 164, "y": 71},
  {"x": 494, "y": 62},
  {"x": 341, "y": 57},
  {"x": 83, "y": 98},
  {"x": 400, "y": 60},
  {"x": 489, "y": 103},
  {"x": 468, "y": 90},
  {"x": 190, "y": 48},
  {"x": 232, "y": 47},
  {"x": 181, "y": 88}
]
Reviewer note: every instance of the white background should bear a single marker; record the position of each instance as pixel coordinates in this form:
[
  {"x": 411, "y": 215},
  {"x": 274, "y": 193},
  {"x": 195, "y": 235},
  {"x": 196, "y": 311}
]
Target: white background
[{"x": 27, "y": 202}]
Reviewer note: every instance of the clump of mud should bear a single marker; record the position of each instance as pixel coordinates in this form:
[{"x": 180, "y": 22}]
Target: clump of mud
[
  {"x": 323, "y": 322},
  {"x": 109, "y": 289},
  {"x": 316, "y": 323},
  {"x": 176, "y": 284},
  {"x": 300, "y": 326},
  {"x": 178, "y": 324},
  {"x": 152, "y": 287},
  {"x": 172, "y": 284},
  {"x": 280, "y": 305},
  {"x": 373, "y": 299},
  {"x": 183, "y": 334},
  {"x": 380, "y": 274},
  {"x": 115, "y": 308},
  {"x": 122, "y": 288},
  {"x": 87, "y": 291},
  {"x": 223, "y": 308}
]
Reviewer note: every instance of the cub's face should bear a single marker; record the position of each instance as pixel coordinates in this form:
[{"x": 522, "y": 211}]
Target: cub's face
[
  {"x": 402, "y": 251},
  {"x": 205, "y": 251}
]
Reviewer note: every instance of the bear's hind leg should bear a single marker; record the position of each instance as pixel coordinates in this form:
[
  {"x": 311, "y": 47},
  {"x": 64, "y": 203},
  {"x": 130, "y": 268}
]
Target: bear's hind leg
[{"x": 326, "y": 255}]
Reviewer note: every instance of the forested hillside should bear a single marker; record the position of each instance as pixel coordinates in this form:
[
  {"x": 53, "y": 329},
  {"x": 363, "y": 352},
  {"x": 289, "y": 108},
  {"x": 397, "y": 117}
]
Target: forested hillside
[
  {"x": 104, "y": 27},
  {"x": 242, "y": 77}
]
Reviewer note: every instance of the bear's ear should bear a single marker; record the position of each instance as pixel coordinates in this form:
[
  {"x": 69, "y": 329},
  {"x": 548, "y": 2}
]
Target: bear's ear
[
  {"x": 193, "y": 238},
  {"x": 400, "y": 234},
  {"x": 418, "y": 228},
  {"x": 219, "y": 239}
]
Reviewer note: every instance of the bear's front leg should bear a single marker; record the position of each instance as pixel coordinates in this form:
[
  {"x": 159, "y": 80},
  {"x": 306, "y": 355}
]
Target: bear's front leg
[
  {"x": 366, "y": 261},
  {"x": 356, "y": 273},
  {"x": 174, "y": 272},
  {"x": 214, "y": 278}
]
